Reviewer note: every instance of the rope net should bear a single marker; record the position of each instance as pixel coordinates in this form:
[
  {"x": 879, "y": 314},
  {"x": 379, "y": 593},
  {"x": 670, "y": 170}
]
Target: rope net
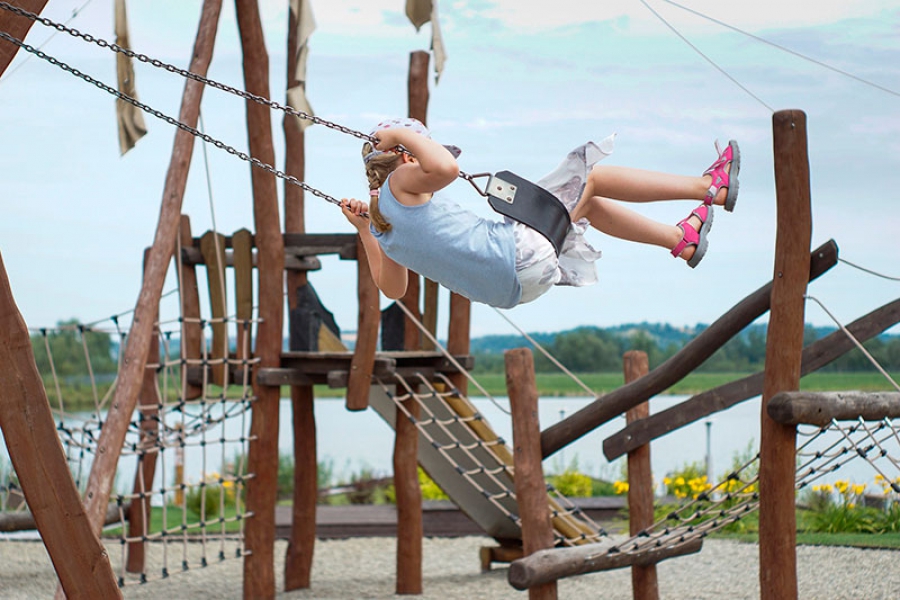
[{"x": 178, "y": 497}]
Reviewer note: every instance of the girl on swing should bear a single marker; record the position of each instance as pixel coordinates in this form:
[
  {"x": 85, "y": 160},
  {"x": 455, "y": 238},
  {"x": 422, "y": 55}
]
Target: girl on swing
[{"x": 505, "y": 263}]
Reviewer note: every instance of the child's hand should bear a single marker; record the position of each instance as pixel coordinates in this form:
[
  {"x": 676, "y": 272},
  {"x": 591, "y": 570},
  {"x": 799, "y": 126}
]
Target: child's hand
[{"x": 353, "y": 210}]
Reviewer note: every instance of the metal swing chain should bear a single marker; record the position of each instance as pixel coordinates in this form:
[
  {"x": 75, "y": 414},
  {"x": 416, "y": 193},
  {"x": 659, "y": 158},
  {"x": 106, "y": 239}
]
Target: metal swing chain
[{"x": 200, "y": 79}]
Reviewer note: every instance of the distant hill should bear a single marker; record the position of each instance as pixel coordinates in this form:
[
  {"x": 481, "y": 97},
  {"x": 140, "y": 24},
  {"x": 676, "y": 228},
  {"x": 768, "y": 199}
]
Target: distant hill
[{"x": 663, "y": 334}]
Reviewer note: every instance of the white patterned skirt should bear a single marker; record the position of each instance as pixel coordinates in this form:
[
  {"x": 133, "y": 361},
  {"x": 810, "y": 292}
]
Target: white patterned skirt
[{"x": 537, "y": 266}]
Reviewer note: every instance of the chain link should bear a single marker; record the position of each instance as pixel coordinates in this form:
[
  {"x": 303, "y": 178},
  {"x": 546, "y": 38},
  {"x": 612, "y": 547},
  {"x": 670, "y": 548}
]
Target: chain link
[{"x": 61, "y": 27}]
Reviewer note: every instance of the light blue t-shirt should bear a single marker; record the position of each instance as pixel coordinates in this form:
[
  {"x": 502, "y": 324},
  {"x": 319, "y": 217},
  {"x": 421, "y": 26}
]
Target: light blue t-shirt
[{"x": 465, "y": 253}]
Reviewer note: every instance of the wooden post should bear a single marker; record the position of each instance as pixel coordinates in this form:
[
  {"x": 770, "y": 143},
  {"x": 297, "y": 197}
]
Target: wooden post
[
  {"x": 417, "y": 92},
  {"x": 139, "y": 510},
  {"x": 363, "y": 361},
  {"x": 458, "y": 334},
  {"x": 262, "y": 489},
  {"x": 299, "y": 557},
  {"x": 109, "y": 445},
  {"x": 18, "y": 27},
  {"x": 531, "y": 490},
  {"x": 784, "y": 344},
  {"x": 644, "y": 581},
  {"x": 409, "y": 500},
  {"x": 80, "y": 560}
]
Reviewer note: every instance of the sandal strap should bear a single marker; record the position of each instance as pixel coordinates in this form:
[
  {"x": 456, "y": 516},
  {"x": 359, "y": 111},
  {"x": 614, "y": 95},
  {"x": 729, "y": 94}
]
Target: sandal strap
[{"x": 690, "y": 237}]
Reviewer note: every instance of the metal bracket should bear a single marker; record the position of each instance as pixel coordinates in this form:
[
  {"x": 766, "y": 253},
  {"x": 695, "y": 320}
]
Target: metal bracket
[{"x": 502, "y": 190}]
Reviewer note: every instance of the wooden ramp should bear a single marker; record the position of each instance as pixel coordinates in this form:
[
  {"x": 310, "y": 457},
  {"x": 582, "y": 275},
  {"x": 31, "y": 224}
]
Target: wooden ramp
[{"x": 463, "y": 455}]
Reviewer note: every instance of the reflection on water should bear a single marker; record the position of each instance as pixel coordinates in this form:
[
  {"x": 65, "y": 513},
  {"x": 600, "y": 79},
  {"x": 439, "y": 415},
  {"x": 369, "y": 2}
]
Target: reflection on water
[{"x": 355, "y": 441}]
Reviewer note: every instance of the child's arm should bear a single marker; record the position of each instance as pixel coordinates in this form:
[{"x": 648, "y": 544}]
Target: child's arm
[
  {"x": 390, "y": 277},
  {"x": 432, "y": 169}
]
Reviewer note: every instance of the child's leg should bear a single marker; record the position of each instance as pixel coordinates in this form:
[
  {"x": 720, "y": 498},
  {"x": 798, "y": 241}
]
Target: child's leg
[
  {"x": 638, "y": 185},
  {"x": 616, "y": 220}
]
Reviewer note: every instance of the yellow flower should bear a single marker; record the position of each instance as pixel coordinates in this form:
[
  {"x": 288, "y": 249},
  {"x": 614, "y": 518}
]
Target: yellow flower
[
  {"x": 859, "y": 488},
  {"x": 620, "y": 487},
  {"x": 841, "y": 485},
  {"x": 667, "y": 481}
]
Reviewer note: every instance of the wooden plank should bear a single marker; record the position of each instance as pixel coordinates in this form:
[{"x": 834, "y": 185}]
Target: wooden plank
[
  {"x": 820, "y": 408},
  {"x": 815, "y": 356},
  {"x": 363, "y": 362},
  {"x": 262, "y": 489},
  {"x": 557, "y": 563},
  {"x": 17, "y": 27},
  {"x": 300, "y": 264},
  {"x": 112, "y": 437},
  {"x": 212, "y": 245},
  {"x": 784, "y": 344},
  {"x": 191, "y": 332},
  {"x": 531, "y": 489},
  {"x": 691, "y": 356},
  {"x": 644, "y": 580},
  {"x": 299, "y": 558},
  {"x": 28, "y": 427},
  {"x": 243, "y": 293}
]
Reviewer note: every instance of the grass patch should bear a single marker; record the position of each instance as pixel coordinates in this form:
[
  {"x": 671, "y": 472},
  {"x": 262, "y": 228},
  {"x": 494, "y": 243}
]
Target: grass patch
[
  {"x": 560, "y": 384},
  {"x": 173, "y": 522}
]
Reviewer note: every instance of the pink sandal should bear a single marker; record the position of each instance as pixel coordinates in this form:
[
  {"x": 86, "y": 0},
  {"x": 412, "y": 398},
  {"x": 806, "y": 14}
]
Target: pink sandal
[
  {"x": 722, "y": 178},
  {"x": 693, "y": 237}
]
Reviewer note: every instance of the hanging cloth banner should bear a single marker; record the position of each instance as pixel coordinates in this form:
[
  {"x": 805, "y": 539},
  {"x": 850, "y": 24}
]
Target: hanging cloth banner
[
  {"x": 301, "y": 12},
  {"x": 130, "y": 118},
  {"x": 419, "y": 13}
]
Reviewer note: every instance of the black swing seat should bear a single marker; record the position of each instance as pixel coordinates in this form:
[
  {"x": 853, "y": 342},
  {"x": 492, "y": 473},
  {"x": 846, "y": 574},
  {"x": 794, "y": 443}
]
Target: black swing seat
[{"x": 530, "y": 204}]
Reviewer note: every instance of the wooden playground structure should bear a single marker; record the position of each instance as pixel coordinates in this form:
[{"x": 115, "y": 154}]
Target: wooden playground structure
[{"x": 538, "y": 534}]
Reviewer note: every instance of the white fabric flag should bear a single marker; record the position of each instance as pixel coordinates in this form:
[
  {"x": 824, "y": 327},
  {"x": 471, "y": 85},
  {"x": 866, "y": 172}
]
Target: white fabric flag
[
  {"x": 301, "y": 11},
  {"x": 419, "y": 13},
  {"x": 130, "y": 118}
]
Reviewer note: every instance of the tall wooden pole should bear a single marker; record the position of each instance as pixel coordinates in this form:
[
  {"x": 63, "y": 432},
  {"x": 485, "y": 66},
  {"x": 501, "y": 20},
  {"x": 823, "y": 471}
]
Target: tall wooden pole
[
  {"x": 109, "y": 445},
  {"x": 784, "y": 345},
  {"x": 299, "y": 558},
  {"x": 18, "y": 27},
  {"x": 644, "y": 580},
  {"x": 410, "y": 526},
  {"x": 531, "y": 490},
  {"x": 262, "y": 489},
  {"x": 80, "y": 560}
]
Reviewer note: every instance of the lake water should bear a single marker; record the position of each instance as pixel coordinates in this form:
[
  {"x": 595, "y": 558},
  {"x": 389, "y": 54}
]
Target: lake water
[{"x": 352, "y": 442}]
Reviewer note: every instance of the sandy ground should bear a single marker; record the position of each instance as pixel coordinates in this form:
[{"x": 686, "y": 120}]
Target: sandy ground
[{"x": 364, "y": 568}]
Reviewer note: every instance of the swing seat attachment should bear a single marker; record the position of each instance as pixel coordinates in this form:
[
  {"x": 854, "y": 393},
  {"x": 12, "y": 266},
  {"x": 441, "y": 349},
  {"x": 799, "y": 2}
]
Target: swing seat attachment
[{"x": 532, "y": 205}]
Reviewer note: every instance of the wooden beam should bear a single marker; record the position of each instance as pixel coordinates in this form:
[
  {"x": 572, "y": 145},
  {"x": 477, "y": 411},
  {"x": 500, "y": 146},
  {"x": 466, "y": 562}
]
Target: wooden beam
[
  {"x": 557, "y": 563},
  {"x": 784, "y": 344},
  {"x": 28, "y": 427},
  {"x": 243, "y": 293},
  {"x": 112, "y": 437},
  {"x": 262, "y": 489},
  {"x": 815, "y": 356},
  {"x": 673, "y": 370},
  {"x": 531, "y": 489},
  {"x": 820, "y": 408},
  {"x": 18, "y": 27}
]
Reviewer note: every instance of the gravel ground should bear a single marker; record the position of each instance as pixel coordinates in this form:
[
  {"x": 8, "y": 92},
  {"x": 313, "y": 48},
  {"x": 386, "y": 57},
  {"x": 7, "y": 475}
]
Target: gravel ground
[{"x": 364, "y": 568}]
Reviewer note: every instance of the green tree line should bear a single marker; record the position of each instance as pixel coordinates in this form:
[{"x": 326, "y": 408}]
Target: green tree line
[{"x": 596, "y": 350}]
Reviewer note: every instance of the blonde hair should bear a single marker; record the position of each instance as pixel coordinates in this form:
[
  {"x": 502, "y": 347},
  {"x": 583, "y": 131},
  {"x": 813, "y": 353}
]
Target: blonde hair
[{"x": 378, "y": 167}]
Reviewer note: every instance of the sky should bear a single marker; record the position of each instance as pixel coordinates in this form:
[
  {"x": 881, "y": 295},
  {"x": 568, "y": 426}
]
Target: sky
[{"x": 523, "y": 84}]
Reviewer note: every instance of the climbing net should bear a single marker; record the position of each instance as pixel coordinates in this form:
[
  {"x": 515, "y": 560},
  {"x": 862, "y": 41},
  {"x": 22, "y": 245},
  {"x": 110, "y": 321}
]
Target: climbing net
[{"x": 179, "y": 492}]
